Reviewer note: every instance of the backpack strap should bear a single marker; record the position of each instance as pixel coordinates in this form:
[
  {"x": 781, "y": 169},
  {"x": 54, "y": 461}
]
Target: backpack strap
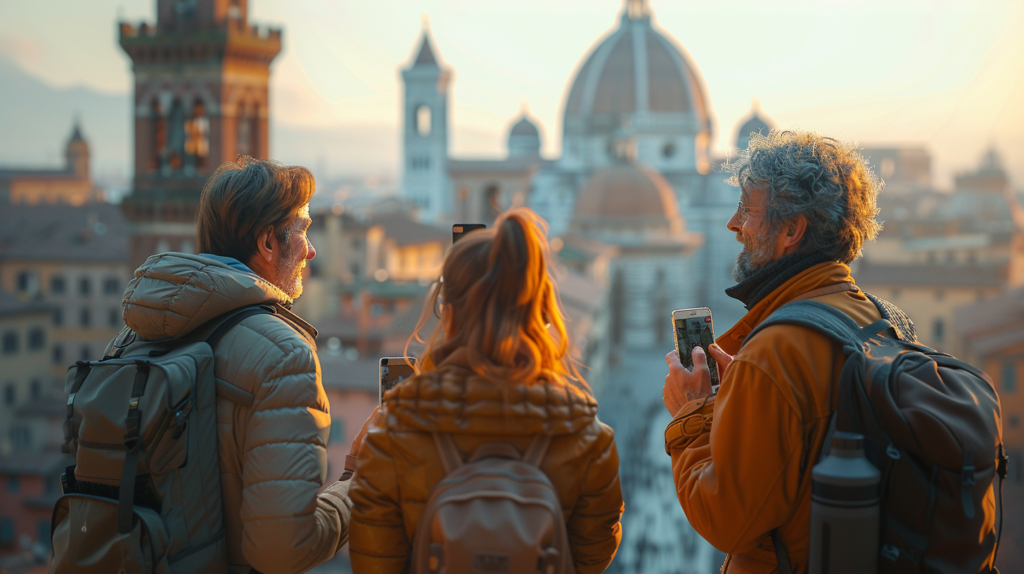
[
  {"x": 451, "y": 458},
  {"x": 235, "y": 317},
  {"x": 534, "y": 454},
  {"x": 826, "y": 320},
  {"x": 132, "y": 442},
  {"x": 780, "y": 553},
  {"x": 83, "y": 368}
]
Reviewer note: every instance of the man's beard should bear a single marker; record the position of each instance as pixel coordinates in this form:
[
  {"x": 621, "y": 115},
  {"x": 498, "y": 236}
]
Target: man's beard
[
  {"x": 288, "y": 275},
  {"x": 753, "y": 258}
]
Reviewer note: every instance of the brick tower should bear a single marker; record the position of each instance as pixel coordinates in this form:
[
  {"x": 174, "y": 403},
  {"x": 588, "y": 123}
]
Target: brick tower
[{"x": 201, "y": 76}]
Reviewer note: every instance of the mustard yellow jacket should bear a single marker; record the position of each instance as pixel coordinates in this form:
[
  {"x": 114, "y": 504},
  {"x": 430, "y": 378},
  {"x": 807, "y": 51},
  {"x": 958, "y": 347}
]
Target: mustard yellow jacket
[
  {"x": 398, "y": 464},
  {"x": 749, "y": 471}
]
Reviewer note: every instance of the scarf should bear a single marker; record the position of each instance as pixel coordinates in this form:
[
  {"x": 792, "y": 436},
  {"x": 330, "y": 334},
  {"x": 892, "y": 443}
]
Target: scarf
[{"x": 751, "y": 290}]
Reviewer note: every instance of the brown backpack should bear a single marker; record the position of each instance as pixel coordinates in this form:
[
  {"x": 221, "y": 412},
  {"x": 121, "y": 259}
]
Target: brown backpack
[
  {"x": 932, "y": 427},
  {"x": 498, "y": 513}
]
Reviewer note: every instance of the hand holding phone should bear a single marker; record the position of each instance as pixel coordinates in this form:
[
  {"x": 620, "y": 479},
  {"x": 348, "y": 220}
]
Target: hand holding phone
[
  {"x": 694, "y": 328},
  {"x": 391, "y": 371}
]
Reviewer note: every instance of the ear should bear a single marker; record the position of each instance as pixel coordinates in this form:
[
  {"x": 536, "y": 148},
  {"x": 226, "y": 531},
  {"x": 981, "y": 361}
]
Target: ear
[
  {"x": 794, "y": 234},
  {"x": 266, "y": 246}
]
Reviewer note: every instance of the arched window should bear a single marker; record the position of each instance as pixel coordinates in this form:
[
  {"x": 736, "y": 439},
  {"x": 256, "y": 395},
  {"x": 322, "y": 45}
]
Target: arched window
[
  {"x": 158, "y": 157},
  {"x": 243, "y": 134},
  {"x": 423, "y": 120},
  {"x": 176, "y": 135},
  {"x": 197, "y": 135}
]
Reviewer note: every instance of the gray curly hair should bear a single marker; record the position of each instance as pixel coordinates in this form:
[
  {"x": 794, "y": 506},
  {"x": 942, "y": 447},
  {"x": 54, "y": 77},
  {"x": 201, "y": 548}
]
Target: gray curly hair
[{"x": 824, "y": 179}]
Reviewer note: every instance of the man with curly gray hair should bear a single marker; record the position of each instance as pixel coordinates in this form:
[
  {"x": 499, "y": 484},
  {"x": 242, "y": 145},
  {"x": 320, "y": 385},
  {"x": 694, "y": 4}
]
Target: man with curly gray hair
[{"x": 807, "y": 205}]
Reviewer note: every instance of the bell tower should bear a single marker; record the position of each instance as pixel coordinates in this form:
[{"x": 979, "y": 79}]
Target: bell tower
[
  {"x": 201, "y": 98},
  {"x": 425, "y": 179}
]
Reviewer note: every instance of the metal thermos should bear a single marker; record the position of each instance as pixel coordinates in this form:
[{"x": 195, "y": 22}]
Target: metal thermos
[{"x": 844, "y": 510}]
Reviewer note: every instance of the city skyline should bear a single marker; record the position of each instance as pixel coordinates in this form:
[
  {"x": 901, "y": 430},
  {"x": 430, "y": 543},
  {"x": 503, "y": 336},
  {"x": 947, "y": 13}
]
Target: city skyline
[{"x": 944, "y": 75}]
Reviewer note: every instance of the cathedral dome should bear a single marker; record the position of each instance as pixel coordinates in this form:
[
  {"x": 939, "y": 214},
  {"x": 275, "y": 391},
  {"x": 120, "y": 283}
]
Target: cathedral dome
[
  {"x": 636, "y": 73},
  {"x": 524, "y": 139},
  {"x": 627, "y": 198}
]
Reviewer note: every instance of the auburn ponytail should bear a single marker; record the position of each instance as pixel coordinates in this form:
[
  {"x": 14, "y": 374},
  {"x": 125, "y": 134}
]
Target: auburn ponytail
[{"x": 501, "y": 305}]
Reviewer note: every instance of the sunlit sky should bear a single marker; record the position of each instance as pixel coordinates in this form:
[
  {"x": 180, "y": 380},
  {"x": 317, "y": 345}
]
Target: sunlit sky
[{"x": 948, "y": 74}]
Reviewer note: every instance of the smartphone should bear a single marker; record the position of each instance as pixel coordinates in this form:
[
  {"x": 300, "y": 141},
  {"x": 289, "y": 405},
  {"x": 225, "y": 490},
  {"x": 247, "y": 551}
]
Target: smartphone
[
  {"x": 391, "y": 371},
  {"x": 460, "y": 229},
  {"x": 693, "y": 328}
]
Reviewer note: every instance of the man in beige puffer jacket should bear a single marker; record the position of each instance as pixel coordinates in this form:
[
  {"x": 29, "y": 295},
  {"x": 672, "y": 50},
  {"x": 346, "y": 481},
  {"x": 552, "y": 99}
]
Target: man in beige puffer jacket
[{"x": 273, "y": 418}]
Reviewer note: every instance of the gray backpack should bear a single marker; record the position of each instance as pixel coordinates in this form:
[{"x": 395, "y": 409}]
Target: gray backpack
[
  {"x": 144, "y": 494},
  {"x": 497, "y": 513}
]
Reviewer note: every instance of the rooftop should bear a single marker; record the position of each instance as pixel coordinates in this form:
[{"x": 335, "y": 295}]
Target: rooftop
[
  {"x": 868, "y": 273},
  {"x": 92, "y": 233}
]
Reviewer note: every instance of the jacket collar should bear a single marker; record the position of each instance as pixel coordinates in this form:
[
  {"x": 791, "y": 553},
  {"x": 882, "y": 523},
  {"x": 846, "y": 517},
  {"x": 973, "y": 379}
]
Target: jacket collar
[
  {"x": 456, "y": 399},
  {"x": 810, "y": 278}
]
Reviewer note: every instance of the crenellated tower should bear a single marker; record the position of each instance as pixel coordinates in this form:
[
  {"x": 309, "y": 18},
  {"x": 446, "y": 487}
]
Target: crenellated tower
[{"x": 201, "y": 98}]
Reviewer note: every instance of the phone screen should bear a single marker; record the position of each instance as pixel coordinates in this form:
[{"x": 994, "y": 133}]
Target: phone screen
[
  {"x": 393, "y": 370},
  {"x": 696, "y": 332},
  {"x": 460, "y": 229}
]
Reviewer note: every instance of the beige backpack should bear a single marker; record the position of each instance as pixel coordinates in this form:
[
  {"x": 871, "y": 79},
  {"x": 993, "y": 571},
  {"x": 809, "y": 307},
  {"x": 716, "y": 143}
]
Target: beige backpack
[{"x": 498, "y": 513}]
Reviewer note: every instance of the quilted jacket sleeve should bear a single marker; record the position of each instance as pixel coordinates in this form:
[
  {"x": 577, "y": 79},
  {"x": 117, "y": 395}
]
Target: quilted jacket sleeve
[
  {"x": 594, "y": 526},
  {"x": 740, "y": 480},
  {"x": 379, "y": 541},
  {"x": 286, "y": 526}
]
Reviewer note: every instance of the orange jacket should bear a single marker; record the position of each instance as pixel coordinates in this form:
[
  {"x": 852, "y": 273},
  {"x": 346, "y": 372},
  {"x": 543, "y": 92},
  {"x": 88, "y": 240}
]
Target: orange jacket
[
  {"x": 398, "y": 464},
  {"x": 748, "y": 470}
]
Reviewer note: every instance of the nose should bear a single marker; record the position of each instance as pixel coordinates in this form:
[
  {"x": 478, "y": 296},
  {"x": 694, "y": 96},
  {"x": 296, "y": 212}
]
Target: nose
[
  {"x": 310, "y": 250},
  {"x": 734, "y": 222}
]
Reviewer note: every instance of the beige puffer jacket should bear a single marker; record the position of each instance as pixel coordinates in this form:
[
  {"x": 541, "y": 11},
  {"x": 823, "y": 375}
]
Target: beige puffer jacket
[{"x": 273, "y": 457}]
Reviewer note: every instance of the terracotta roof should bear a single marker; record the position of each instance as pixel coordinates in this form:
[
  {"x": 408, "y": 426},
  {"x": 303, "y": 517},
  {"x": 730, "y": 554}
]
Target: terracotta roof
[
  {"x": 95, "y": 232},
  {"x": 404, "y": 231},
  {"x": 628, "y": 191},
  {"x": 868, "y": 273},
  {"x": 607, "y": 83}
]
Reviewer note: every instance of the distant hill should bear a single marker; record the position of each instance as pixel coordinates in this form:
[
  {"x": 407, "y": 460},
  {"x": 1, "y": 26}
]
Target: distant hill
[{"x": 36, "y": 118}]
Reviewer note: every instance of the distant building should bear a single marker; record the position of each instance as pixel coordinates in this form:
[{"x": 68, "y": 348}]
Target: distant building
[
  {"x": 27, "y": 375},
  {"x": 992, "y": 336},
  {"x": 71, "y": 184},
  {"x": 756, "y": 123},
  {"x": 201, "y": 99},
  {"x": 940, "y": 252},
  {"x": 636, "y": 85},
  {"x": 75, "y": 260},
  {"x": 29, "y": 487}
]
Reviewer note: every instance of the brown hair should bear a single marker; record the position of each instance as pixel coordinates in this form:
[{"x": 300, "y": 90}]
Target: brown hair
[
  {"x": 496, "y": 282},
  {"x": 245, "y": 198}
]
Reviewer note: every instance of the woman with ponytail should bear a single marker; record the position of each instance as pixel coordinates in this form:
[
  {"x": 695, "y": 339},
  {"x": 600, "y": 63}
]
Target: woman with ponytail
[{"x": 497, "y": 368}]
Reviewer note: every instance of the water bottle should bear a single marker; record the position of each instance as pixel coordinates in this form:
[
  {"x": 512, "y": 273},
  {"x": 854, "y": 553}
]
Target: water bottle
[{"x": 844, "y": 510}]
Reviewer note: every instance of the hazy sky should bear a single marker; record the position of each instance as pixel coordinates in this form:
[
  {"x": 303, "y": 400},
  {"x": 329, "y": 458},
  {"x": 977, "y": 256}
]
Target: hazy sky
[{"x": 948, "y": 74}]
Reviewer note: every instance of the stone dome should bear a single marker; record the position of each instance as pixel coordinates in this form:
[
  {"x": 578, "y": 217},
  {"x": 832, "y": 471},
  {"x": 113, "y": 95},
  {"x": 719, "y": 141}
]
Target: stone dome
[
  {"x": 638, "y": 73},
  {"x": 756, "y": 123},
  {"x": 627, "y": 197},
  {"x": 524, "y": 139}
]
